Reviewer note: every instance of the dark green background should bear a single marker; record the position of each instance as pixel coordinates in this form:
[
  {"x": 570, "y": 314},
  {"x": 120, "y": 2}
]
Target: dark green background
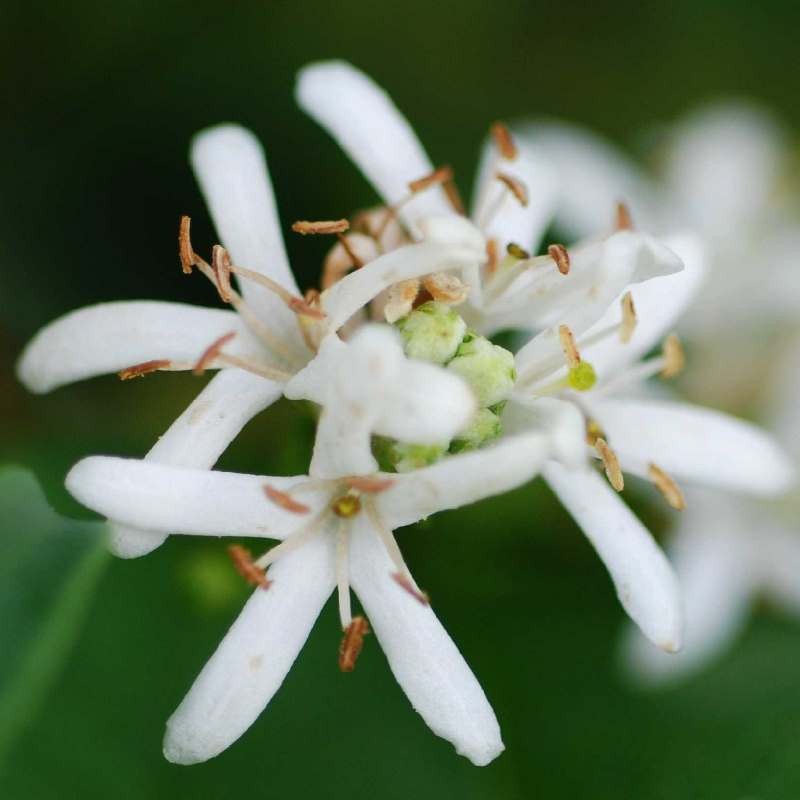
[{"x": 98, "y": 101}]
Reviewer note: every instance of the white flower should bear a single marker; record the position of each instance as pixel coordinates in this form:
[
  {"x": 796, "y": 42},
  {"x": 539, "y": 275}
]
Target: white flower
[
  {"x": 258, "y": 347},
  {"x": 336, "y": 532}
]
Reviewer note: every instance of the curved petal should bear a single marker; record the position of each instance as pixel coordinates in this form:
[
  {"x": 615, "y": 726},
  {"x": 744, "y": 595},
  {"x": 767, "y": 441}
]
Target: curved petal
[
  {"x": 201, "y": 502},
  {"x": 423, "y": 658},
  {"x": 252, "y": 660},
  {"x": 108, "y": 337},
  {"x": 367, "y": 125},
  {"x": 712, "y": 559},
  {"x": 645, "y": 583},
  {"x": 694, "y": 443},
  {"x": 232, "y": 172},
  {"x": 197, "y": 439},
  {"x": 592, "y": 177},
  {"x": 462, "y": 479}
]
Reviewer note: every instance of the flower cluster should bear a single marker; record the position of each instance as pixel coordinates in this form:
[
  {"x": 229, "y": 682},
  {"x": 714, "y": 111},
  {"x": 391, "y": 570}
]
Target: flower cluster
[{"x": 419, "y": 409}]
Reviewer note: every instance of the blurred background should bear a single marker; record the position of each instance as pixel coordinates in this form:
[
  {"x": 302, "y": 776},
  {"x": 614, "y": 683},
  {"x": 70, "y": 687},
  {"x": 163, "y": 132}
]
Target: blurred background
[{"x": 98, "y": 102}]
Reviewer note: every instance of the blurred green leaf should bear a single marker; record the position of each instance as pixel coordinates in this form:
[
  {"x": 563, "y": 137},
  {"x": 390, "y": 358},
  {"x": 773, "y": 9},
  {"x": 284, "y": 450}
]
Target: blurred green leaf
[{"x": 49, "y": 566}]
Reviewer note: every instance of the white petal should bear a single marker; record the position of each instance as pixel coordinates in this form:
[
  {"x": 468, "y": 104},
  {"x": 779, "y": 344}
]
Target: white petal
[
  {"x": 659, "y": 303},
  {"x": 252, "y": 660},
  {"x": 712, "y": 559},
  {"x": 232, "y": 172},
  {"x": 367, "y": 125},
  {"x": 645, "y": 583},
  {"x": 509, "y": 221},
  {"x": 462, "y": 479},
  {"x": 423, "y": 658},
  {"x": 108, "y": 337},
  {"x": 694, "y": 443},
  {"x": 197, "y": 439},
  {"x": 781, "y": 396},
  {"x": 158, "y": 497},
  {"x": 592, "y": 177}
]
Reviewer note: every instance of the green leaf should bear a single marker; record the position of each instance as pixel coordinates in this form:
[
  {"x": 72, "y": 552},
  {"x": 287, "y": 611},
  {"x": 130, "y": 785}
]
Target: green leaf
[{"x": 49, "y": 566}]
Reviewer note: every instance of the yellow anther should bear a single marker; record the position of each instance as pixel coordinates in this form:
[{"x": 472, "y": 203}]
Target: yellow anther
[
  {"x": 628, "y": 324},
  {"x": 569, "y": 346},
  {"x": 667, "y": 486},
  {"x": 674, "y": 357},
  {"x": 514, "y": 250},
  {"x": 610, "y": 464}
]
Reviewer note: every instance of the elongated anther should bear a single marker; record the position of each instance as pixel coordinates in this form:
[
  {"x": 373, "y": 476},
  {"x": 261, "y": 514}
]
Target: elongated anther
[
  {"x": 211, "y": 352},
  {"x": 667, "y": 486},
  {"x": 492, "y": 256},
  {"x": 560, "y": 255},
  {"x": 610, "y": 464},
  {"x": 674, "y": 357},
  {"x": 503, "y": 141},
  {"x": 569, "y": 346},
  {"x": 404, "y": 582},
  {"x": 352, "y": 642},
  {"x": 454, "y": 197},
  {"x": 368, "y": 484},
  {"x": 515, "y": 186},
  {"x": 145, "y": 368},
  {"x": 221, "y": 265},
  {"x": 185, "y": 251},
  {"x": 243, "y": 562},
  {"x": 622, "y": 218},
  {"x": 438, "y": 176},
  {"x": 305, "y": 227},
  {"x": 285, "y": 500},
  {"x": 628, "y": 325},
  {"x": 515, "y": 251}
]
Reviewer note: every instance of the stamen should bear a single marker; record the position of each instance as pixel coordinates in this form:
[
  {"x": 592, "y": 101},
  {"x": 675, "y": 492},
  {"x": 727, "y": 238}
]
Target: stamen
[
  {"x": 346, "y": 506},
  {"x": 446, "y": 288},
  {"x": 285, "y": 500},
  {"x": 516, "y": 187},
  {"x": 622, "y": 218},
  {"x": 667, "y": 486},
  {"x": 503, "y": 141},
  {"x": 492, "y": 256},
  {"x": 513, "y": 249},
  {"x": 270, "y": 373},
  {"x": 305, "y": 227},
  {"x": 610, "y": 464},
  {"x": 352, "y": 642},
  {"x": 185, "y": 251},
  {"x": 438, "y": 176},
  {"x": 454, "y": 197},
  {"x": 368, "y": 484},
  {"x": 560, "y": 255},
  {"x": 145, "y": 368},
  {"x": 294, "y": 542},
  {"x": 247, "y": 568},
  {"x": 221, "y": 264},
  {"x": 400, "y": 299},
  {"x": 674, "y": 357},
  {"x": 568, "y": 345},
  {"x": 211, "y": 353},
  {"x": 628, "y": 324},
  {"x": 404, "y": 582},
  {"x": 594, "y": 432}
]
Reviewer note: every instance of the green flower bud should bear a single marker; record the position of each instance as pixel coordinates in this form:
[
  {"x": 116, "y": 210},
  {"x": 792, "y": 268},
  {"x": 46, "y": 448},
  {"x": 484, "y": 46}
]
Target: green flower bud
[
  {"x": 432, "y": 332},
  {"x": 581, "y": 377},
  {"x": 484, "y": 427},
  {"x": 486, "y": 367},
  {"x": 405, "y": 457}
]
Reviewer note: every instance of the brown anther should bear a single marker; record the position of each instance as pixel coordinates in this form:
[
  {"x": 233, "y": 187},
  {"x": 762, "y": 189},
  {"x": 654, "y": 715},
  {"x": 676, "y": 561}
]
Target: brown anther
[
  {"x": 674, "y": 357},
  {"x": 221, "y": 265},
  {"x": 568, "y": 345},
  {"x": 667, "y": 486},
  {"x": 185, "y": 251},
  {"x": 346, "y": 506},
  {"x": 560, "y": 255},
  {"x": 504, "y": 141},
  {"x": 516, "y": 187},
  {"x": 492, "y": 256},
  {"x": 352, "y": 642},
  {"x": 145, "y": 368},
  {"x": 351, "y": 254},
  {"x": 446, "y": 288},
  {"x": 305, "y": 227},
  {"x": 211, "y": 352},
  {"x": 610, "y": 464},
  {"x": 400, "y": 299},
  {"x": 628, "y": 324},
  {"x": 454, "y": 197},
  {"x": 284, "y": 500},
  {"x": 622, "y": 218},
  {"x": 302, "y": 307},
  {"x": 594, "y": 432},
  {"x": 438, "y": 176},
  {"x": 404, "y": 582},
  {"x": 368, "y": 484},
  {"x": 243, "y": 562},
  {"x": 514, "y": 250}
]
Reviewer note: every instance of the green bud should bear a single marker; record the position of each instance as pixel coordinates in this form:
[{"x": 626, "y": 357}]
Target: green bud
[
  {"x": 405, "y": 457},
  {"x": 432, "y": 332},
  {"x": 581, "y": 377},
  {"x": 486, "y": 367},
  {"x": 485, "y": 427}
]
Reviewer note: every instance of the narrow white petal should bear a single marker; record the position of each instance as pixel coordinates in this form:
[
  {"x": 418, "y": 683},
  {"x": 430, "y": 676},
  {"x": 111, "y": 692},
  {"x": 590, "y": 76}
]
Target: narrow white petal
[
  {"x": 713, "y": 561},
  {"x": 232, "y": 172},
  {"x": 252, "y": 660},
  {"x": 158, "y": 497},
  {"x": 645, "y": 583},
  {"x": 592, "y": 177},
  {"x": 423, "y": 658},
  {"x": 367, "y": 125},
  {"x": 197, "y": 439},
  {"x": 695, "y": 444},
  {"x": 782, "y": 394},
  {"x": 108, "y": 337},
  {"x": 462, "y": 479}
]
